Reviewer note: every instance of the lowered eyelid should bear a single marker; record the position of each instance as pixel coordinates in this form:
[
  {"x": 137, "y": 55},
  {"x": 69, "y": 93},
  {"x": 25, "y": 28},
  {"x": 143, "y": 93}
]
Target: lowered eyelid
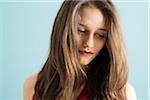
[
  {"x": 100, "y": 33},
  {"x": 81, "y": 27}
]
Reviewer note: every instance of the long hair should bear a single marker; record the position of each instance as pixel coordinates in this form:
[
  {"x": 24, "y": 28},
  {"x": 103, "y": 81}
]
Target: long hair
[{"x": 62, "y": 75}]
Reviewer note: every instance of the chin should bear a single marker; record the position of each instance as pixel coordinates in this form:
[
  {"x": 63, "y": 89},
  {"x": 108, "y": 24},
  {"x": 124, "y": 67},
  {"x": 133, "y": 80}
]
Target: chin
[{"x": 84, "y": 63}]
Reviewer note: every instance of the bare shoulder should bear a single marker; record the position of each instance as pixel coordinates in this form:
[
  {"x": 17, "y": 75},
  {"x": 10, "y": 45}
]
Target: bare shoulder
[
  {"x": 28, "y": 89},
  {"x": 131, "y": 93}
]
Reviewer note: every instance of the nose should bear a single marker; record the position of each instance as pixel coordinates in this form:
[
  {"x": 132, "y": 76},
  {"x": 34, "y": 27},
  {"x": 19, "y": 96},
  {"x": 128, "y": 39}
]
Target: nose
[{"x": 89, "y": 42}]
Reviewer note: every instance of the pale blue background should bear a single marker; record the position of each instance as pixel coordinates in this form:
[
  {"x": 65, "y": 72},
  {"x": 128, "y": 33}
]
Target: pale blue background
[{"x": 25, "y": 29}]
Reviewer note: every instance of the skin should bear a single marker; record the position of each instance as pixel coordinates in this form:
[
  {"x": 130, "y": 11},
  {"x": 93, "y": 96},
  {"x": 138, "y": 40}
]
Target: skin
[{"x": 91, "y": 34}]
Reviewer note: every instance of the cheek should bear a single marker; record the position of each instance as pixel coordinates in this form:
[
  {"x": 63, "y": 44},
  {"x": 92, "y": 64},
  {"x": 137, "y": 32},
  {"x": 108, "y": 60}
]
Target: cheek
[
  {"x": 99, "y": 46},
  {"x": 78, "y": 40}
]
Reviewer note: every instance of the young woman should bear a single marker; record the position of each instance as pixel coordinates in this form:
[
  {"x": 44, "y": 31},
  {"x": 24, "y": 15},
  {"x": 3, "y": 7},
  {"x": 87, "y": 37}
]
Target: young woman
[{"x": 87, "y": 58}]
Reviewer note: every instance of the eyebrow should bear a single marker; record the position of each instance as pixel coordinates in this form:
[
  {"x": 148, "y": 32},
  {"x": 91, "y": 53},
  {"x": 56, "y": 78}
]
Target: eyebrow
[{"x": 103, "y": 29}]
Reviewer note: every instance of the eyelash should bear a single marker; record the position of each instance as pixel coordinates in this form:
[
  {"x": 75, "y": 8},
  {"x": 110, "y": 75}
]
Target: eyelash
[
  {"x": 97, "y": 35},
  {"x": 81, "y": 31}
]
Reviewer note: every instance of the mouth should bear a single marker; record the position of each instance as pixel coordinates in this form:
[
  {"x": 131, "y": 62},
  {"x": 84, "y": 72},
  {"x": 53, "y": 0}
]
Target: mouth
[{"x": 86, "y": 53}]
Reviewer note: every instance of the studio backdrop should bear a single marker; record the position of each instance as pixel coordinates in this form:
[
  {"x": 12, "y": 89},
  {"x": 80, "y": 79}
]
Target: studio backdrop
[{"x": 25, "y": 28}]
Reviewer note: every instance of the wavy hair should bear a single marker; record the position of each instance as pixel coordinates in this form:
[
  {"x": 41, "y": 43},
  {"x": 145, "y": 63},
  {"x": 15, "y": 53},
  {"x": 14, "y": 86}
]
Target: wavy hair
[{"x": 62, "y": 75}]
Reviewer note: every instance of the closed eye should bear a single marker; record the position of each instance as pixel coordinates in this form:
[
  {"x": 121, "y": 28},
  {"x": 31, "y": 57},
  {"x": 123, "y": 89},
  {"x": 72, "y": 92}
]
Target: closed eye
[
  {"x": 81, "y": 30},
  {"x": 99, "y": 36}
]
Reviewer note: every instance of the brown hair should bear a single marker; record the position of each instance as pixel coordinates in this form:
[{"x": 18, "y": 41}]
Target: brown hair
[{"x": 62, "y": 75}]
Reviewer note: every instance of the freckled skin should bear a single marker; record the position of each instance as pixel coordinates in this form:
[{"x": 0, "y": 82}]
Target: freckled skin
[{"x": 87, "y": 39}]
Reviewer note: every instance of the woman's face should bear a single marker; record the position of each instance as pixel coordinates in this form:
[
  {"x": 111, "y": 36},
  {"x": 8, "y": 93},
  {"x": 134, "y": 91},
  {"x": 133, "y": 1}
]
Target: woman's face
[{"x": 91, "y": 34}]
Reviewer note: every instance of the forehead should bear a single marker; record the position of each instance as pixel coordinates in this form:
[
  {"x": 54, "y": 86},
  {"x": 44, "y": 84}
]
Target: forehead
[{"x": 92, "y": 17}]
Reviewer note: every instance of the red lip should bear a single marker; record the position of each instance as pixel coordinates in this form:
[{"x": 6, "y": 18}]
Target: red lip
[{"x": 86, "y": 53}]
